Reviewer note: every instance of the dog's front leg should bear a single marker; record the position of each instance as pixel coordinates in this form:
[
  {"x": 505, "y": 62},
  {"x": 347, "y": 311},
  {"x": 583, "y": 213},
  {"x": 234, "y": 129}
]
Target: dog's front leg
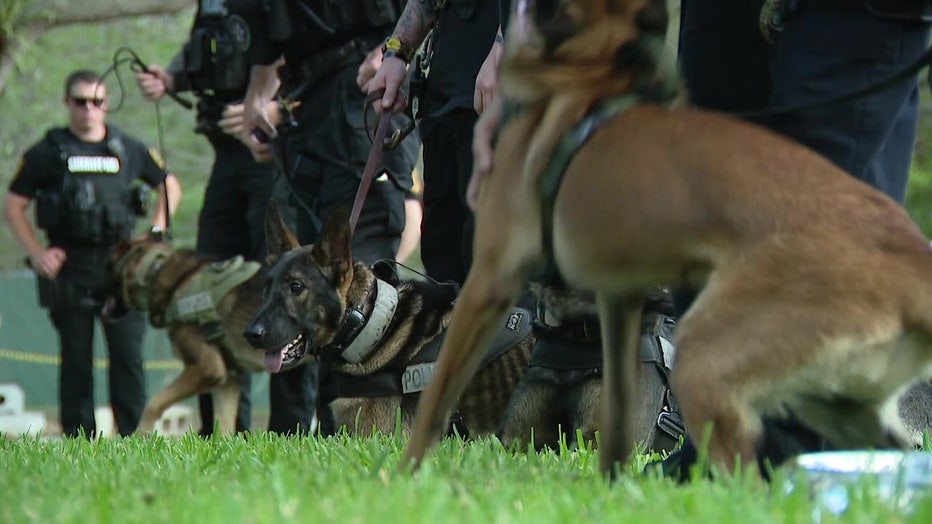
[
  {"x": 620, "y": 318},
  {"x": 479, "y": 309},
  {"x": 226, "y": 404}
]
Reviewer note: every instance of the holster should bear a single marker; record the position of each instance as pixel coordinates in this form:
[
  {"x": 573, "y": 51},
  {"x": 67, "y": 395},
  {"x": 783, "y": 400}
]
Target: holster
[
  {"x": 56, "y": 293},
  {"x": 50, "y": 293},
  {"x": 48, "y": 210}
]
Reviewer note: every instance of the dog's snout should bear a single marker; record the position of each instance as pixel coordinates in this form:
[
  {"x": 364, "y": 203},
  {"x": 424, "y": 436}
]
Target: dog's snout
[{"x": 255, "y": 333}]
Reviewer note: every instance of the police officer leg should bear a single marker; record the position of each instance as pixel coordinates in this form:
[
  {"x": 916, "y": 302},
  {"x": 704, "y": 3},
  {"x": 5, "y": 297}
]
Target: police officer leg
[
  {"x": 889, "y": 170},
  {"x": 381, "y": 221},
  {"x": 236, "y": 182},
  {"x": 244, "y": 410},
  {"x": 75, "y": 328},
  {"x": 127, "y": 379},
  {"x": 205, "y": 407},
  {"x": 723, "y": 56},
  {"x": 260, "y": 182},
  {"x": 293, "y": 393},
  {"x": 820, "y": 55},
  {"x": 292, "y": 396},
  {"x": 445, "y": 251}
]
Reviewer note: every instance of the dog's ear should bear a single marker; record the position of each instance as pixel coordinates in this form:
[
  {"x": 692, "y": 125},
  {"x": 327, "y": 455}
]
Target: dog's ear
[
  {"x": 333, "y": 247},
  {"x": 279, "y": 238}
]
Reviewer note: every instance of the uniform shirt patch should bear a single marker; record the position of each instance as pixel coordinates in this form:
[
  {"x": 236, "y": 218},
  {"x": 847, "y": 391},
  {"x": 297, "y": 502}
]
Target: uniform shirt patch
[
  {"x": 157, "y": 158},
  {"x": 93, "y": 164},
  {"x": 239, "y": 30}
]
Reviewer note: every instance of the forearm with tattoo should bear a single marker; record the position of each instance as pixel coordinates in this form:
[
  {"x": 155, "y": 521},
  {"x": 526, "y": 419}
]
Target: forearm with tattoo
[{"x": 415, "y": 22}]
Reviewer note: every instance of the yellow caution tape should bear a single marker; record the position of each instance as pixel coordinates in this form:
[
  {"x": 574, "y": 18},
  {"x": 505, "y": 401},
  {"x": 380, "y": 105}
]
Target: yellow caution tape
[{"x": 54, "y": 360}]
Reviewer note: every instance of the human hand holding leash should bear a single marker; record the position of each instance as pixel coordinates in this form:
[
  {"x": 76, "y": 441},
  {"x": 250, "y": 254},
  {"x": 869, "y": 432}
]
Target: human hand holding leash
[
  {"x": 390, "y": 77},
  {"x": 154, "y": 82},
  {"x": 368, "y": 68}
]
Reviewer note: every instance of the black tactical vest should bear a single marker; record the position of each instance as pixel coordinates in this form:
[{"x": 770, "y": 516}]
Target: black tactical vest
[
  {"x": 92, "y": 206},
  {"x": 216, "y": 60}
]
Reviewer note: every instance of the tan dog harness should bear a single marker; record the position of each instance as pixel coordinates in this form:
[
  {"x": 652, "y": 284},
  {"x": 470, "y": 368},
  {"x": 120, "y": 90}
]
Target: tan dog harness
[{"x": 197, "y": 300}]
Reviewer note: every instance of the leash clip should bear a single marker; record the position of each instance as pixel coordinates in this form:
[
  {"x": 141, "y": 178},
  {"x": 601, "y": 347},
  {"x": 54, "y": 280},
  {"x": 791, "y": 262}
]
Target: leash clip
[{"x": 394, "y": 138}]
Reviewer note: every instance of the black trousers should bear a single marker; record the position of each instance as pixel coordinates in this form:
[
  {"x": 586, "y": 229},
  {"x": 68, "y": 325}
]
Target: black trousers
[
  {"x": 325, "y": 156},
  {"x": 126, "y": 379},
  {"x": 819, "y": 54},
  {"x": 232, "y": 222},
  {"x": 448, "y": 224}
]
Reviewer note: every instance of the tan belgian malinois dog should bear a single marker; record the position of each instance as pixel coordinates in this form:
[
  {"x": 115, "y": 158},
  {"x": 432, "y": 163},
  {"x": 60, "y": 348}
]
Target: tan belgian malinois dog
[
  {"x": 204, "y": 304},
  {"x": 816, "y": 290}
]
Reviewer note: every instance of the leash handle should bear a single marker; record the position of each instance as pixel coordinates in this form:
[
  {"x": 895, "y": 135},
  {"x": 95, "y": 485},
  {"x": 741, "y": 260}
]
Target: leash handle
[
  {"x": 140, "y": 65},
  {"x": 372, "y": 163}
]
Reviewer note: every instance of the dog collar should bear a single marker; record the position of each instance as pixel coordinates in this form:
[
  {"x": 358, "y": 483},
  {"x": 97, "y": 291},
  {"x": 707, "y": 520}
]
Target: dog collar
[
  {"x": 369, "y": 335},
  {"x": 142, "y": 276}
]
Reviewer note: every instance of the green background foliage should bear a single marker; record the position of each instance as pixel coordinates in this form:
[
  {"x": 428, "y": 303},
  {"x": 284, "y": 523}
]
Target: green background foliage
[{"x": 32, "y": 103}]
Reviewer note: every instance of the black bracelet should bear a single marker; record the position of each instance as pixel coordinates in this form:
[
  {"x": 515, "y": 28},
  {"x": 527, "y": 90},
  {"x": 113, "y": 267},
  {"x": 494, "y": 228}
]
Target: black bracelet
[{"x": 397, "y": 54}]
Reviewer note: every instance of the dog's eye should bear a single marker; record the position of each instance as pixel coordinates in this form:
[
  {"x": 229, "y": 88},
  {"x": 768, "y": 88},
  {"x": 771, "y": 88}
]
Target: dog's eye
[{"x": 296, "y": 287}]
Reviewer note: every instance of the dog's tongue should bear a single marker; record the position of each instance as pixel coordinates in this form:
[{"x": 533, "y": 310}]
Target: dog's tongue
[{"x": 273, "y": 360}]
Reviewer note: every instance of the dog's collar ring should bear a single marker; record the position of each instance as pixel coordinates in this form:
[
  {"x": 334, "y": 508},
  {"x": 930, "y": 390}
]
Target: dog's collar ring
[{"x": 386, "y": 300}]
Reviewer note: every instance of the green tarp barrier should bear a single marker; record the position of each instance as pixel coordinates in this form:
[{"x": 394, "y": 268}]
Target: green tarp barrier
[{"x": 29, "y": 351}]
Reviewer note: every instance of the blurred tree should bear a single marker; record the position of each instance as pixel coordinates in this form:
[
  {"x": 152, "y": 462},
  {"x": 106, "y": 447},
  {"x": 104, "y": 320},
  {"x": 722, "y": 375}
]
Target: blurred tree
[{"x": 23, "y": 20}]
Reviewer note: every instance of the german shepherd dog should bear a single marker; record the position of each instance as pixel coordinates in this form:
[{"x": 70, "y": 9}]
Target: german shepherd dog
[
  {"x": 558, "y": 398},
  {"x": 379, "y": 339},
  {"x": 815, "y": 290},
  {"x": 150, "y": 276}
]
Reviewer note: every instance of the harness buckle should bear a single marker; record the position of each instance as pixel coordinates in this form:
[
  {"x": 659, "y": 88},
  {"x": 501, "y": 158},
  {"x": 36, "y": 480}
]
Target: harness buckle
[{"x": 671, "y": 423}]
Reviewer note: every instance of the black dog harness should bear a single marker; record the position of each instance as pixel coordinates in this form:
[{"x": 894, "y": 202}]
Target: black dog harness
[
  {"x": 571, "y": 353},
  {"x": 406, "y": 377}
]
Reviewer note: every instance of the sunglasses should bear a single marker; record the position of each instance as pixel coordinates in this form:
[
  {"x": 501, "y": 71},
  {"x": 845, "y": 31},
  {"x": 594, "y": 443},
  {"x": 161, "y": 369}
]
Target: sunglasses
[{"x": 81, "y": 101}]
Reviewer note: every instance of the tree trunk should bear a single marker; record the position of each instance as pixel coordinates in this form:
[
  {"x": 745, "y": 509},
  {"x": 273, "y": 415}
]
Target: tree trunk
[
  {"x": 48, "y": 13},
  {"x": 21, "y": 20}
]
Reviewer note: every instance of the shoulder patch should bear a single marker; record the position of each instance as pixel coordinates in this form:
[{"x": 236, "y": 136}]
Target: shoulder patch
[
  {"x": 157, "y": 158},
  {"x": 19, "y": 168},
  {"x": 239, "y": 30}
]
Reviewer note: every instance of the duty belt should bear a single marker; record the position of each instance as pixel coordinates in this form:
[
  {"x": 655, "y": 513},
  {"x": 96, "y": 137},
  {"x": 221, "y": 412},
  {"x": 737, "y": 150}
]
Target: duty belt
[{"x": 319, "y": 65}]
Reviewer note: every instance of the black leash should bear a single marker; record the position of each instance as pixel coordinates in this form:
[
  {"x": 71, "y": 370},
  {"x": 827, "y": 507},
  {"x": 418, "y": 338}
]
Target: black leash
[
  {"x": 136, "y": 64},
  {"x": 372, "y": 163},
  {"x": 277, "y": 150}
]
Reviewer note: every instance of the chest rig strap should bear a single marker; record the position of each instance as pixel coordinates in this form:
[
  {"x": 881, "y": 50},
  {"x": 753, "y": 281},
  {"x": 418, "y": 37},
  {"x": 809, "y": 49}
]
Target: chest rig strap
[{"x": 548, "y": 185}]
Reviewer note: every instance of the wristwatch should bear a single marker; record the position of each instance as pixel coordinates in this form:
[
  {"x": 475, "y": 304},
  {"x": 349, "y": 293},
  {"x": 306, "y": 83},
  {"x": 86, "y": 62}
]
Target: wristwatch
[{"x": 395, "y": 47}]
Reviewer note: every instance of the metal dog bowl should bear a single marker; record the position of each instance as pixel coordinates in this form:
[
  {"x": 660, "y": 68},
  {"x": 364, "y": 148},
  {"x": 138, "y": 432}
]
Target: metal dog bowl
[{"x": 832, "y": 477}]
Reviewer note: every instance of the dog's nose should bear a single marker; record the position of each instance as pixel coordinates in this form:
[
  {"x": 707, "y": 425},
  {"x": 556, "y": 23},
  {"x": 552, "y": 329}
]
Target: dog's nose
[{"x": 255, "y": 333}]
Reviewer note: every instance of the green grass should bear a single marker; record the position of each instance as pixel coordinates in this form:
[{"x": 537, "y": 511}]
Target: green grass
[{"x": 267, "y": 478}]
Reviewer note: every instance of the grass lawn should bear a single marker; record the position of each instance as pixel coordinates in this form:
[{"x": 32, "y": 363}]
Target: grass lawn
[{"x": 267, "y": 478}]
